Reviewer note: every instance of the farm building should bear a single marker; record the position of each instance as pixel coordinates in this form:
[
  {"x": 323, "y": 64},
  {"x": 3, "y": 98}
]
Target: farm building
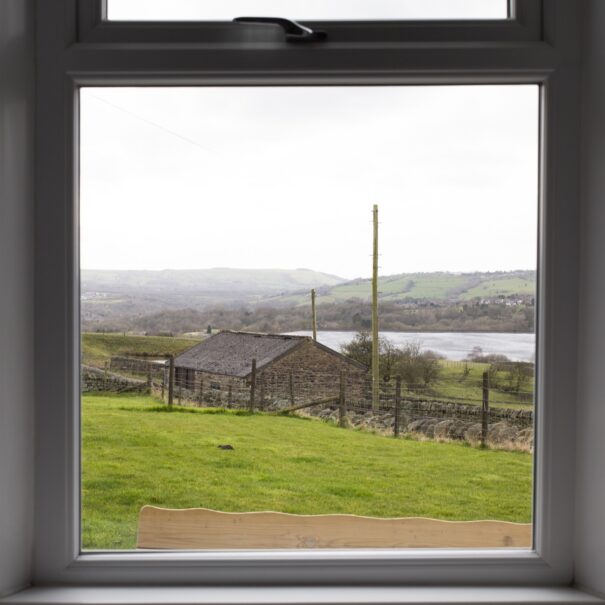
[{"x": 287, "y": 367}]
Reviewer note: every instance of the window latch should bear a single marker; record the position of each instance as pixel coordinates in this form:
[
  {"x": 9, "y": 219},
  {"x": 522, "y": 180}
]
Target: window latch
[{"x": 295, "y": 32}]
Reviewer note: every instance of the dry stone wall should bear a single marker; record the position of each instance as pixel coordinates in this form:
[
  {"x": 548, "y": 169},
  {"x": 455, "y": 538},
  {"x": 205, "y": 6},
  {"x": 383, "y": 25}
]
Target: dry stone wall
[
  {"x": 135, "y": 364},
  {"x": 507, "y": 428},
  {"x": 95, "y": 379}
]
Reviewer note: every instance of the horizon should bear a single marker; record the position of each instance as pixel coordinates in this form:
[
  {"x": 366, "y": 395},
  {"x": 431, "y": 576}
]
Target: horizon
[{"x": 222, "y": 268}]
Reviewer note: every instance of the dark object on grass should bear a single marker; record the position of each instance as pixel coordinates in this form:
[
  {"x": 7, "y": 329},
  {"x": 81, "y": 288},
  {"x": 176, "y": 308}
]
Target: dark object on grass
[{"x": 226, "y": 447}]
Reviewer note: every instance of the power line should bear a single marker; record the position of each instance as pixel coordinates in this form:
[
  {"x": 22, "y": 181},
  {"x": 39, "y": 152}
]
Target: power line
[{"x": 159, "y": 126}]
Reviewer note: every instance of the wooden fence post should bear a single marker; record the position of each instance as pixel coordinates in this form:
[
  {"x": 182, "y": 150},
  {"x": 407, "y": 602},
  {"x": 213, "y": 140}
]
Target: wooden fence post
[
  {"x": 171, "y": 381},
  {"x": 342, "y": 405},
  {"x": 201, "y": 389},
  {"x": 396, "y": 427},
  {"x": 291, "y": 387},
  {"x": 262, "y": 393},
  {"x": 485, "y": 410},
  {"x": 252, "y": 385}
]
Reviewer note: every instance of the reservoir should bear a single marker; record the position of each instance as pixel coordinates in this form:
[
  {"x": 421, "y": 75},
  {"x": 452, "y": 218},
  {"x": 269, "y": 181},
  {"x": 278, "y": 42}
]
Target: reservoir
[{"x": 451, "y": 345}]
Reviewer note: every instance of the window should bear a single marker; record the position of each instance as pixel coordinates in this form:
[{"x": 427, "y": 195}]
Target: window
[
  {"x": 190, "y": 215},
  {"x": 185, "y": 10},
  {"x": 108, "y": 54}
]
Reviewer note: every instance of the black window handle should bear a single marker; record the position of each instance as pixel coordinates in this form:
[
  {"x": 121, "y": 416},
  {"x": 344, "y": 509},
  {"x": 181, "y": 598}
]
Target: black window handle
[{"x": 295, "y": 32}]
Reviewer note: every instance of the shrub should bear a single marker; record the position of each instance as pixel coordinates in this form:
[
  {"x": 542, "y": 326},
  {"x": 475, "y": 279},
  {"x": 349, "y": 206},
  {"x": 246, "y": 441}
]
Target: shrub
[{"x": 417, "y": 368}]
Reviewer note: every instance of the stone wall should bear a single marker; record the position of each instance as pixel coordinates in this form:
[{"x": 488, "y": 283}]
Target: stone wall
[
  {"x": 95, "y": 379},
  {"x": 502, "y": 430},
  {"x": 214, "y": 389},
  {"x": 315, "y": 375},
  {"x": 136, "y": 364},
  {"x": 471, "y": 413}
]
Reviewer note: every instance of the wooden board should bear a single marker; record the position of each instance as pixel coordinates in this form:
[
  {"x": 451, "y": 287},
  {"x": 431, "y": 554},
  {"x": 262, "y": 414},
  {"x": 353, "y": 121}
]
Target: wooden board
[{"x": 202, "y": 528}]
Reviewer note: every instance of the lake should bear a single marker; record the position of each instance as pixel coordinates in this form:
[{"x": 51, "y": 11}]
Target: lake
[{"x": 452, "y": 345}]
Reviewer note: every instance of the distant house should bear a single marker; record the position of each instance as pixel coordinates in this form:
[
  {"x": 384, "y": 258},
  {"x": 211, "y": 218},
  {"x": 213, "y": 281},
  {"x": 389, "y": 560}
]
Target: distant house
[{"x": 223, "y": 364}]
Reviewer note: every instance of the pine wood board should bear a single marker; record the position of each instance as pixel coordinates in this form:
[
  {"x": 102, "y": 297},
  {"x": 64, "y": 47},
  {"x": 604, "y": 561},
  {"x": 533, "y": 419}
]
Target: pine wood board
[{"x": 202, "y": 528}]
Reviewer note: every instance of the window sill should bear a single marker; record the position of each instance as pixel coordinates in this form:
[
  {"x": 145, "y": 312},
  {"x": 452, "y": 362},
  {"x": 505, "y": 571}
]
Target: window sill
[{"x": 296, "y": 596}]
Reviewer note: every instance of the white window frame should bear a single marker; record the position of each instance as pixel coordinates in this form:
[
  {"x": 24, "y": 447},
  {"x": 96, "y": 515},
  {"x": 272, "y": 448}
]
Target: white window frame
[{"x": 76, "y": 48}]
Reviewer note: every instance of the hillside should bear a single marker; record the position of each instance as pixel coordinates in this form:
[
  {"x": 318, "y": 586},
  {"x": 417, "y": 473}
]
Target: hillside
[
  {"x": 347, "y": 315},
  {"x": 216, "y": 280},
  {"x": 137, "y": 452},
  {"x": 409, "y": 302},
  {"x": 99, "y": 348},
  {"x": 436, "y": 287}
]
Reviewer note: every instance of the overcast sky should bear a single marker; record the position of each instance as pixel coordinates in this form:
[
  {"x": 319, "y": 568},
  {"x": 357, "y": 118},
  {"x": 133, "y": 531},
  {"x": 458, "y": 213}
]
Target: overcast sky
[{"x": 286, "y": 177}]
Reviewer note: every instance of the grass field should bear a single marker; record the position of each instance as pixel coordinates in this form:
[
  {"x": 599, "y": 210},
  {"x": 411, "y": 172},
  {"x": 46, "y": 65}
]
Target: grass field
[
  {"x": 98, "y": 348},
  {"x": 434, "y": 286},
  {"x": 503, "y": 286},
  {"x": 452, "y": 383},
  {"x": 136, "y": 452}
]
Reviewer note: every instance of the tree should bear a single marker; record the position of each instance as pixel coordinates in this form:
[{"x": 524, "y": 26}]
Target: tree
[
  {"x": 360, "y": 349},
  {"x": 519, "y": 375},
  {"x": 417, "y": 368}
]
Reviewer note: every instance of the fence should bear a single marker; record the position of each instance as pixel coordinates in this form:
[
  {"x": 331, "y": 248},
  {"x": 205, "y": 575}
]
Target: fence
[
  {"x": 462, "y": 405},
  {"x": 96, "y": 379}
]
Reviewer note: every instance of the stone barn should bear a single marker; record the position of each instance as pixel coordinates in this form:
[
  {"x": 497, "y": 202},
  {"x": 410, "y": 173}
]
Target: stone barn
[{"x": 287, "y": 368}]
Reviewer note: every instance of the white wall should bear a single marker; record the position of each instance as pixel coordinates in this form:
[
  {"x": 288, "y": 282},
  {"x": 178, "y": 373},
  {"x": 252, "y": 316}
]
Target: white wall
[
  {"x": 16, "y": 292},
  {"x": 590, "y": 459}
]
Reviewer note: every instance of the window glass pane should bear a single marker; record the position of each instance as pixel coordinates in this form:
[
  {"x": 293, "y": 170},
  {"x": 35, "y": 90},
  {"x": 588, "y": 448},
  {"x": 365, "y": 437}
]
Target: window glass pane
[
  {"x": 225, "y": 10},
  {"x": 219, "y": 227}
]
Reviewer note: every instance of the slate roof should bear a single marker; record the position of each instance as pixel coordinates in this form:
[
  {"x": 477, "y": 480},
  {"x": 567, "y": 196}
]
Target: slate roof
[{"x": 230, "y": 353}]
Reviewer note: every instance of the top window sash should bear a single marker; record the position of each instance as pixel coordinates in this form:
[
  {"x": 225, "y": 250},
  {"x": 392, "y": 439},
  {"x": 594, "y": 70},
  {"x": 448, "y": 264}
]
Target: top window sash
[{"x": 523, "y": 25}]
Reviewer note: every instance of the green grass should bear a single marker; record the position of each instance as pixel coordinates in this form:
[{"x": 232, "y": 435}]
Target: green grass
[
  {"x": 503, "y": 286},
  {"x": 453, "y": 384},
  {"x": 98, "y": 348},
  {"x": 135, "y": 452},
  {"x": 398, "y": 287},
  {"x": 433, "y": 286}
]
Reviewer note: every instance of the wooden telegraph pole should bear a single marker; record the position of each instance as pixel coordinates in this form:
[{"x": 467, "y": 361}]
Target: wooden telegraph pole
[
  {"x": 375, "y": 351},
  {"x": 314, "y": 316}
]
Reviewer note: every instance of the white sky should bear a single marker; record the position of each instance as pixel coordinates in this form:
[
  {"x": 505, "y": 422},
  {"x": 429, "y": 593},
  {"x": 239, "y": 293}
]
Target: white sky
[
  {"x": 187, "y": 178},
  {"x": 305, "y": 9}
]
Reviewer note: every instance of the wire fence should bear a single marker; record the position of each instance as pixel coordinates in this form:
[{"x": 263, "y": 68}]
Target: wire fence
[{"x": 472, "y": 402}]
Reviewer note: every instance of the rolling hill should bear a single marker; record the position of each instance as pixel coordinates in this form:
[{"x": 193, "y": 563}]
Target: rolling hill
[
  {"x": 436, "y": 287},
  {"x": 178, "y": 302},
  {"x": 215, "y": 280}
]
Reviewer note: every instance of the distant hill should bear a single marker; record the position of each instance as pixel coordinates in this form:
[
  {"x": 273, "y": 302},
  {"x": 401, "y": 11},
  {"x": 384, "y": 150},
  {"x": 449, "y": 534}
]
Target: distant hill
[
  {"x": 437, "y": 287},
  {"x": 216, "y": 280},
  {"x": 277, "y": 300}
]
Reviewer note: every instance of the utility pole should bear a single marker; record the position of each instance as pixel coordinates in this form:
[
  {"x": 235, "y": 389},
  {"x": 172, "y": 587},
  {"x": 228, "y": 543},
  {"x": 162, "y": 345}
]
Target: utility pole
[
  {"x": 314, "y": 316},
  {"x": 375, "y": 348}
]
